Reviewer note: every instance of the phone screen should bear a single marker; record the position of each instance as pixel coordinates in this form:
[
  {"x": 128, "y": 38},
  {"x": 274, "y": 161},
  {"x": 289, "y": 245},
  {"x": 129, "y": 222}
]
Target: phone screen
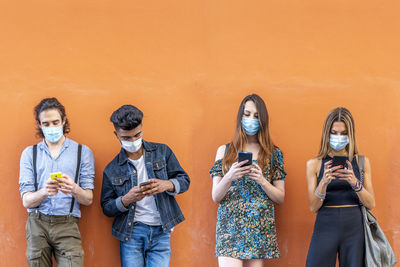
[
  {"x": 245, "y": 155},
  {"x": 144, "y": 183},
  {"x": 340, "y": 160}
]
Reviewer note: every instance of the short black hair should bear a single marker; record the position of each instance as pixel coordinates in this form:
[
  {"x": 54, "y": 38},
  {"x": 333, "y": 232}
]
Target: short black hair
[
  {"x": 46, "y": 104},
  {"x": 127, "y": 117}
]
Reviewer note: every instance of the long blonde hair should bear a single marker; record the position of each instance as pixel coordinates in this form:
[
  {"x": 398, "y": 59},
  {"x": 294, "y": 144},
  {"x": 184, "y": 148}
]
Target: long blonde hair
[
  {"x": 240, "y": 138},
  {"x": 338, "y": 115}
]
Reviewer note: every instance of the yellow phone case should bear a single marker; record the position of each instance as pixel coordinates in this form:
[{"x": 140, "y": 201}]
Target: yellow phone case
[{"x": 55, "y": 175}]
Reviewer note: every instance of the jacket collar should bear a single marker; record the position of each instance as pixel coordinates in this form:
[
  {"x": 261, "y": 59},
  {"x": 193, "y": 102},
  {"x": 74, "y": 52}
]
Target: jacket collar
[{"x": 123, "y": 157}]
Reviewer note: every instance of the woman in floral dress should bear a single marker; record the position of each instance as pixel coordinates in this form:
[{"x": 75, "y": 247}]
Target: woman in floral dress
[{"x": 246, "y": 231}]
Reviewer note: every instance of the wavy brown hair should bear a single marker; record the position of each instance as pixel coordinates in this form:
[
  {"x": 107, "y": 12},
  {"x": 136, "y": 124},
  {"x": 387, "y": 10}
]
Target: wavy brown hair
[
  {"x": 46, "y": 104},
  {"x": 240, "y": 137},
  {"x": 338, "y": 115}
]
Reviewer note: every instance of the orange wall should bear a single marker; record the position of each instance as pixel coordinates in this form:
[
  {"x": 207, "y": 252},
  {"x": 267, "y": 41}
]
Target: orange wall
[{"x": 187, "y": 65}]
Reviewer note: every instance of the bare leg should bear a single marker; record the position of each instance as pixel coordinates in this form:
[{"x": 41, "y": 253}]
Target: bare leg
[
  {"x": 229, "y": 262},
  {"x": 254, "y": 263}
]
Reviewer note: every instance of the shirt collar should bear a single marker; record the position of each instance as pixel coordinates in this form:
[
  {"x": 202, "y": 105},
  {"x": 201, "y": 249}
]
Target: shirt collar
[{"x": 42, "y": 145}]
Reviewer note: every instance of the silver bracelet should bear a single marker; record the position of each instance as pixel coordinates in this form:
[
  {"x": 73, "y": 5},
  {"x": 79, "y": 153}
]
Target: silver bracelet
[{"x": 319, "y": 194}]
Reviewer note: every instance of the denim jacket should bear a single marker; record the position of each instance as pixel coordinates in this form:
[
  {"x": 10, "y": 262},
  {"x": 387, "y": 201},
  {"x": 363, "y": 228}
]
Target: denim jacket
[{"x": 119, "y": 178}]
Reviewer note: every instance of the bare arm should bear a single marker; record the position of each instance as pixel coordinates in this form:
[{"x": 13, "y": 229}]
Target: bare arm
[
  {"x": 68, "y": 186},
  {"x": 83, "y": 196},
  {"x": 366, "y": 195},
  {"x": 274, "y": 190},
  {"x": 222, "y": 184},
  {"x": 34, "y": 199},
  {"x": 312, "y": 170}
]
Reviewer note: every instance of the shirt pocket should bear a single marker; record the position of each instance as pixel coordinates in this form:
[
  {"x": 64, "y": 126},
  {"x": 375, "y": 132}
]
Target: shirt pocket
[
  {"x": 121, "y": 184},
  {"x": 160, "y": 170}
]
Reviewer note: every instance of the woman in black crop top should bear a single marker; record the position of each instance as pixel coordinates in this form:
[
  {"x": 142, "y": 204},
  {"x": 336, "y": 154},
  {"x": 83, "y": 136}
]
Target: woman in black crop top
[{"x": 336, "y": 194}]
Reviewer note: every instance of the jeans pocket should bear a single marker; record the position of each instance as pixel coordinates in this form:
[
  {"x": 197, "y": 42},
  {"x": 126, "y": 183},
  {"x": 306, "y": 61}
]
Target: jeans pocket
[{"x": 34, "y": 258}]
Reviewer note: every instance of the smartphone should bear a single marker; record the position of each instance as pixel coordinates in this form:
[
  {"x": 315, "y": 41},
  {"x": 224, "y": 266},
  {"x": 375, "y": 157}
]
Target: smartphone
[
  {"x": 145, "y": 183},
  {"x": 55, "y": 175},
  {"x": 340, "y": 160},
  {"x": 245, "y": 155}
]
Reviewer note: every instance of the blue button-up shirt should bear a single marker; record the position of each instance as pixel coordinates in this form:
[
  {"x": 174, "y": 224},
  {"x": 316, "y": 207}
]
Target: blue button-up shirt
[{"x": 65, "y": 162}]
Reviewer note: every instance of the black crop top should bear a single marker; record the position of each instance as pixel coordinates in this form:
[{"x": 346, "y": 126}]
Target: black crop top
[{"x": 339, "y": 192}]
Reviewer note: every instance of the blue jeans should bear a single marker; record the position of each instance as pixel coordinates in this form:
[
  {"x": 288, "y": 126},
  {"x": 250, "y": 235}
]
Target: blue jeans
[{"x": 149, "y": 247}]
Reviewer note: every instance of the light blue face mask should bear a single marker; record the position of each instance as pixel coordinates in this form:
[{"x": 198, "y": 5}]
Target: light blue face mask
[
  {"x": 338, "y": 142},
  {"x": 53, "y": 134},
  {"x": 250, "y": 126}
]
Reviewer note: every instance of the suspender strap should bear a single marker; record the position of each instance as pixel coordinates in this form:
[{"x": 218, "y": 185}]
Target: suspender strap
[
  {"x": 78, "y": 166},
  {"x": 34, "y": 166}
]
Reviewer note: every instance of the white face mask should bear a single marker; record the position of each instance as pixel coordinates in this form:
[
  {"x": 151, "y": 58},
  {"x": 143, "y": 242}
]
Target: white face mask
[
  {"x": 338, "y": 142},
  {"x": 132, "y": 146}
]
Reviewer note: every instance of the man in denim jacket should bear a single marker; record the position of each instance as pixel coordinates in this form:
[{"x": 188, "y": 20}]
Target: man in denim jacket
[{"x": 138, "y": 189}]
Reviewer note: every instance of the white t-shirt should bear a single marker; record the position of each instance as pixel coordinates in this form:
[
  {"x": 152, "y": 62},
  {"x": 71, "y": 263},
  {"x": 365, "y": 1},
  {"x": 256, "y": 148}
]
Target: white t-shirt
[{"x": 146, "y": 209}]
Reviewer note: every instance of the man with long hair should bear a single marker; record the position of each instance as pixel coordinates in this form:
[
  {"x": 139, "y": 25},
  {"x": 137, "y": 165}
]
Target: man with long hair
[{"x": 56, "y": 176}]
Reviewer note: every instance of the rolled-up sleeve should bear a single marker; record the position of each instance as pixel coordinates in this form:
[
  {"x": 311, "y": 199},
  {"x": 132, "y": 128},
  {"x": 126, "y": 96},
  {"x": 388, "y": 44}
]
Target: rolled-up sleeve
[
  {"x": 86, "y": 174},
  {"x": 177, "y": 187},
  {"x": 26, "y": 177}
]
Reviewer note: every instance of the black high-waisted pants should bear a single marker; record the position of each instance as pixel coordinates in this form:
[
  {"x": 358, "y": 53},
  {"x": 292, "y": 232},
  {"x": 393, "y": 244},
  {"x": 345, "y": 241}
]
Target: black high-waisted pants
[{"x": 337, "y": 232}]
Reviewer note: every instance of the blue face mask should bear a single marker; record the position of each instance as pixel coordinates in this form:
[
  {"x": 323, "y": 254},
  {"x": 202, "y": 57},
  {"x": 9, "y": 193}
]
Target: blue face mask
[
  {"x": 53, "y": 134},
  {"x": 338, "y": 142},
  {"x": 250, "y": 126}
]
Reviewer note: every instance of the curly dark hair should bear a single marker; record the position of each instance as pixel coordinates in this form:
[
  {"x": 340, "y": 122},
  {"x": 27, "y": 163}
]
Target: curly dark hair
[
  {"x": 126, "y": 117},
  {"x": 46, "y": 104}
]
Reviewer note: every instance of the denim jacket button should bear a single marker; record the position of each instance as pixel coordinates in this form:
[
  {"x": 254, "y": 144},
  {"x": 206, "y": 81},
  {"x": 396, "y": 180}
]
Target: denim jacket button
[
  {"x": 126, "y": 239},
  {"x": 129, "y": 223}
]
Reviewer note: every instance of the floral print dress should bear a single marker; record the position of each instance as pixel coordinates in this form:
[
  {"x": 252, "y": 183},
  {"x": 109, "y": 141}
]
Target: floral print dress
[{"x": 245, "y": 219}]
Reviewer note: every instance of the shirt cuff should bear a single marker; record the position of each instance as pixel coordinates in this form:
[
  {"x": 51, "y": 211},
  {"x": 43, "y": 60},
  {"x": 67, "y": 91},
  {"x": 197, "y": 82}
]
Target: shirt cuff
[
  {"x": 87, "y": 185},
  {"x": 120, "y": 206},
  {"x": 26, "y": 188},
  {"x": 177, "y": 187}
]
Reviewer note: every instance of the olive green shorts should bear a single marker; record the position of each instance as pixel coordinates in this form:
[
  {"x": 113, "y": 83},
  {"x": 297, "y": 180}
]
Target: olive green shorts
[{"x": 58, "y": 235}]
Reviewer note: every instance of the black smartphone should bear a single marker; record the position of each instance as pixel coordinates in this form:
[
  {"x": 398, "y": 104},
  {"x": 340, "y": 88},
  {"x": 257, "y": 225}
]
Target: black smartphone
[
  {"x": 245, "y": 155},
  {"x": 144, "y": 183},
  {"x": 340, "y": 160}
]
